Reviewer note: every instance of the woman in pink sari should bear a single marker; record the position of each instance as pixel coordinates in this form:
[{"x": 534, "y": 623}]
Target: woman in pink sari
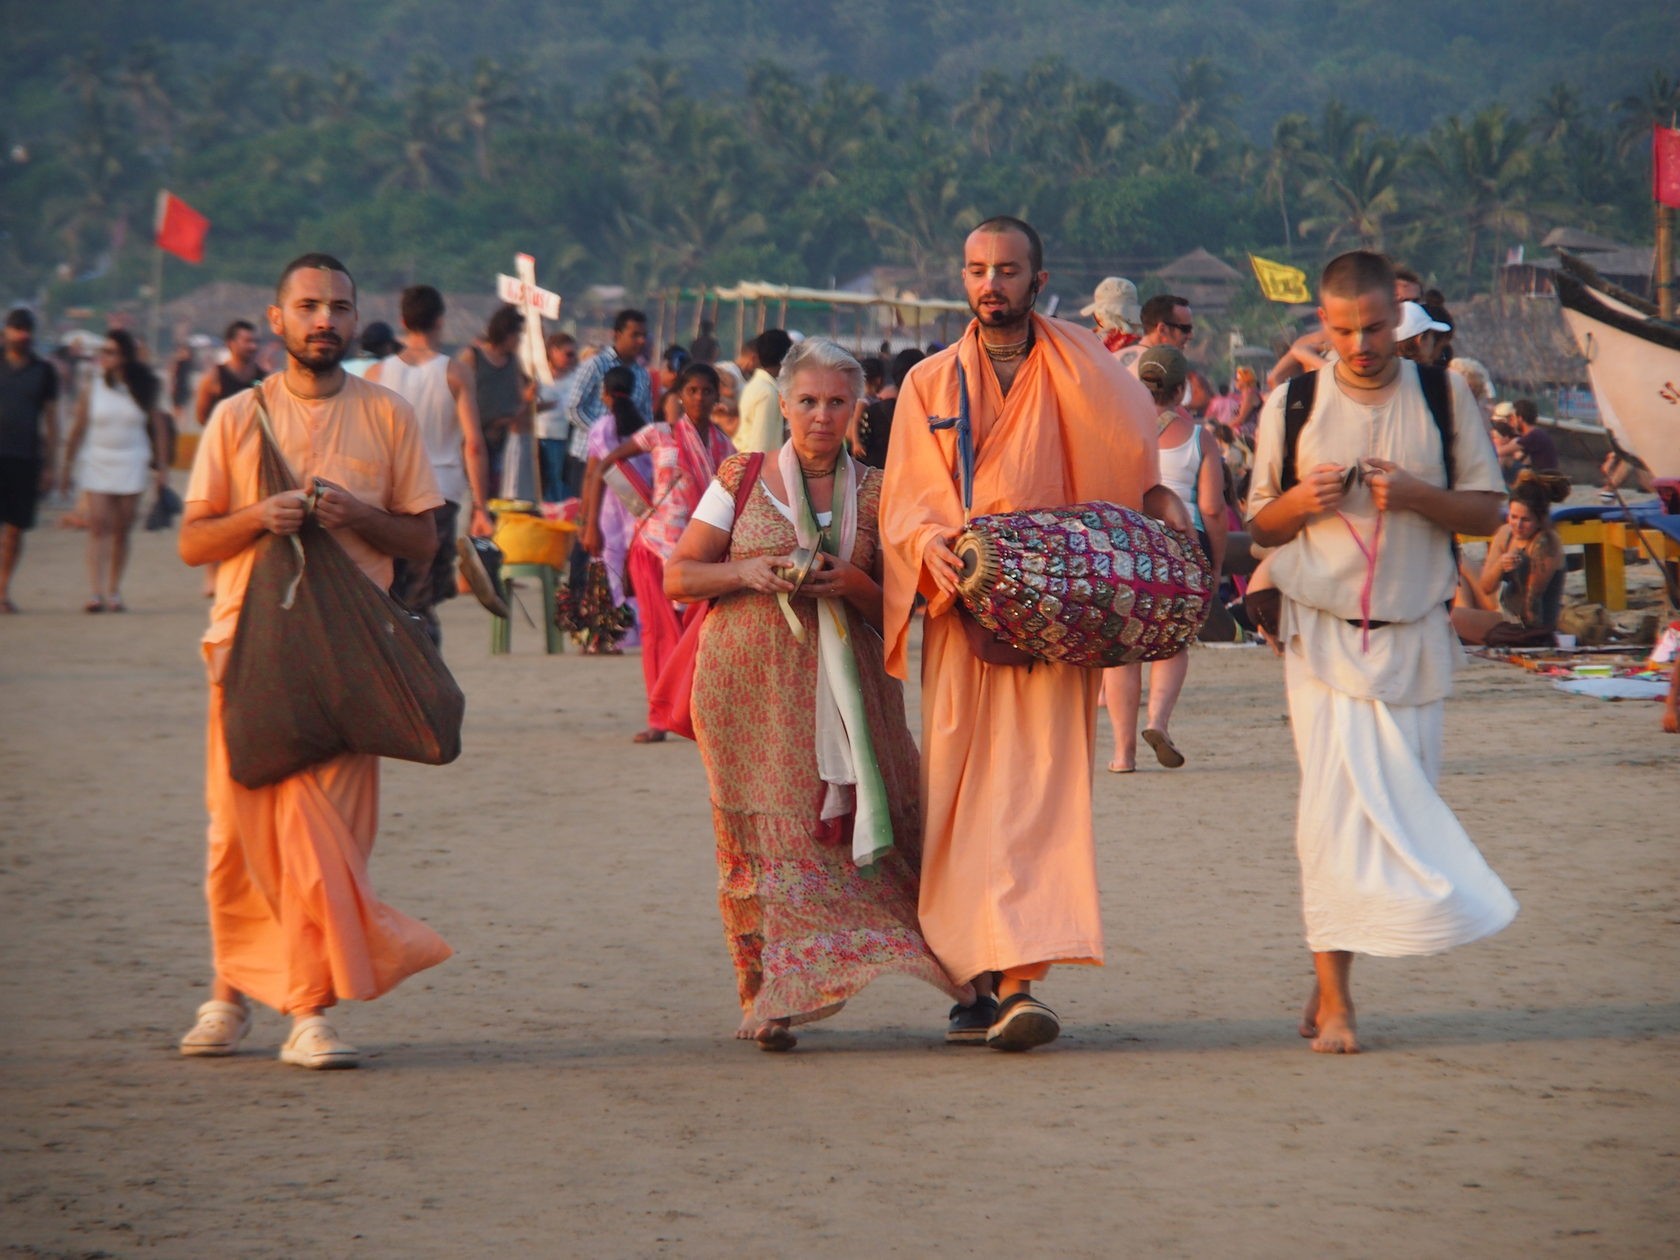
[{"x": 686, "y": 453}]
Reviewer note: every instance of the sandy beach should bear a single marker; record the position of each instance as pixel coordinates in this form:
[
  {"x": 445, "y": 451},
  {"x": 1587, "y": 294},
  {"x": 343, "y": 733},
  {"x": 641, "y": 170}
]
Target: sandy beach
[{"x": 567, "y": 1085}]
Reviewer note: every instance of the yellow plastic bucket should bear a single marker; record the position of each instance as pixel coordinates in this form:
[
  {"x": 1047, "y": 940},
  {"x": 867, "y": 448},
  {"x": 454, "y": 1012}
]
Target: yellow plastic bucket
[{"x": 532, "y": 540}]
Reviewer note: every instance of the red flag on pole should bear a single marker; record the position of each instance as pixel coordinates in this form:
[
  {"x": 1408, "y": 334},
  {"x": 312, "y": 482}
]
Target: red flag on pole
[
  {"x": 1665, "y": 165},
  {"x": 180, "y": 228}
]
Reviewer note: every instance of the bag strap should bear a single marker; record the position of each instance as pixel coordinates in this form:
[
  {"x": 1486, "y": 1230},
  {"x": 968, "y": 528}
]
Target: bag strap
[
  {"x": 749, "y": 478},
  {"x": 1298, "y": 398},
  {"x": 1302, "y": 390},
  {"x": 276, "y": 477},
  {"x": 1437, "y": 393}
]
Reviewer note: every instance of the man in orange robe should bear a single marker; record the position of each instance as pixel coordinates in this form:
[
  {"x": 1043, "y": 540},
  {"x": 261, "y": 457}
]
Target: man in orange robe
[
  {"x": 1009, "y": 879},
  {"x": 294, "y": 922}
]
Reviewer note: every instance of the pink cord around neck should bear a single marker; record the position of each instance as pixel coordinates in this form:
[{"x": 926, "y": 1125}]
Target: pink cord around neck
[{"x": 1370, "y": 554}]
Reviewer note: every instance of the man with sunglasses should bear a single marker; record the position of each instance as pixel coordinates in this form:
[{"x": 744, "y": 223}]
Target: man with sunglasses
[{"x": 1166, "y": 322}]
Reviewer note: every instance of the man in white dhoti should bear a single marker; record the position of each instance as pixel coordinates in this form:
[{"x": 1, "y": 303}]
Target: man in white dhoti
[{"x": 1391, "y": 459}]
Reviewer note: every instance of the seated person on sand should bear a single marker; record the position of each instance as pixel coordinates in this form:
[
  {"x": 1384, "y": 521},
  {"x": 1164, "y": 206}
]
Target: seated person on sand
[{"x": 1521, "y": 582}]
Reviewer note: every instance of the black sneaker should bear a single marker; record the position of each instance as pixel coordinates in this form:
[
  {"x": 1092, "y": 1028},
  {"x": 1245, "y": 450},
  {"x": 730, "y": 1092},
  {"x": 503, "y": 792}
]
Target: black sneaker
[
  {"x": 481, "y": 561},
  {"x": 969, "y": 1024},
  {"x": 1022, "y": 1023}
]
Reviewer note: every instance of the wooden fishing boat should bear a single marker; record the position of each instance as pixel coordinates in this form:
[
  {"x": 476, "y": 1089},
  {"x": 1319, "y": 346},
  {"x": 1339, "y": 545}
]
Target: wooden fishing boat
[{"x": 1633, "y": 360}]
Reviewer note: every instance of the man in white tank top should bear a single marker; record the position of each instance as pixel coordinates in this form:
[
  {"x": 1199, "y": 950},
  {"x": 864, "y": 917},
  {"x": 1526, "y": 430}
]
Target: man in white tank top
[{"x": 440, "y": 390}]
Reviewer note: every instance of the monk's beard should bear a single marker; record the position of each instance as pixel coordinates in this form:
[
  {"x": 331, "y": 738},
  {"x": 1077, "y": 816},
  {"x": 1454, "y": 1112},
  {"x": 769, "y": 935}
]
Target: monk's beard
[{"x": 1007, "y": 316}]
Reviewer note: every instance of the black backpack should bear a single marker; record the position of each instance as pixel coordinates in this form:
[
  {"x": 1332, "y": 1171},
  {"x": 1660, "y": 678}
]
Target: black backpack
[{"x": 1303, "y": 390}]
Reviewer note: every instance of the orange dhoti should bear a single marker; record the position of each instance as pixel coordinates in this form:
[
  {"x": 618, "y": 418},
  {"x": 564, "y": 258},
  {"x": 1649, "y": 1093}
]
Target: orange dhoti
[
  {"x": 1009, "y": 875},
  {"x": 293, "y": 919},
  {"x": 1009, "y": 879}
]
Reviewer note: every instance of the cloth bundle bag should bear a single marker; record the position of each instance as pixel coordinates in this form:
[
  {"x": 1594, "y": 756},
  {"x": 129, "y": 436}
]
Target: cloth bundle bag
[{"x": 324, "y": 662}]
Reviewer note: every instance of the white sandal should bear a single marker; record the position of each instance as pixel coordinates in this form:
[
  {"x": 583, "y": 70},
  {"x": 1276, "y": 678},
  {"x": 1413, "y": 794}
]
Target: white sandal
[
  {"x": 220, "y": 1028},
  {"x": 314, "y": 1044}
]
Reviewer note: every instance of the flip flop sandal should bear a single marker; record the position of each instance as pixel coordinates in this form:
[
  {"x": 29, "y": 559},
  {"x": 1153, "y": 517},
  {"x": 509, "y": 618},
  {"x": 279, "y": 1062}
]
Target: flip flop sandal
[
  {"x": 314, "y": 1044},
  {"x": 776, "y": 1037},
  {"x": 1166, "y": 752},
  {"x": 220, "y": 1028},
  {"x": 481, "y": 565},
  {"x": 648, "y": 736},
  {"x": 7, "y": 608},
  {"x": 94, "y": 606},
  {"x": 1023, "y": 1022}
]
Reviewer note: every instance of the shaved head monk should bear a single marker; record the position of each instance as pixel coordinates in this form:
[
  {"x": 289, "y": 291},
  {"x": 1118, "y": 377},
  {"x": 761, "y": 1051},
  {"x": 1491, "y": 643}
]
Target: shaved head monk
[
  {"x": 1009, "y": 882},
  {"x": 1363, "y": 472},
  {"x": 294, "y": 922}
]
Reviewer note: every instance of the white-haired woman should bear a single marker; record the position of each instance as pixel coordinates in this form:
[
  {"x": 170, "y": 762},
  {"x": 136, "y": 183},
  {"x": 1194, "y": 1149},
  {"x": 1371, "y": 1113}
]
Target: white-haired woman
[{"x": 812, "y": 769}]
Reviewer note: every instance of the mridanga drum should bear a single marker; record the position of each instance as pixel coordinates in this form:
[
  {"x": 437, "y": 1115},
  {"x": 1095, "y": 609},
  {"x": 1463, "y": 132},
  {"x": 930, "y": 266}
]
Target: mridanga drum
[{"x": 1094, "y": 584}]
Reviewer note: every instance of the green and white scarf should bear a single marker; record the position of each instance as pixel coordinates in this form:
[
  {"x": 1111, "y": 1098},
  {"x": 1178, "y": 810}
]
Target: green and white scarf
[{"x": 845, "y": 752}]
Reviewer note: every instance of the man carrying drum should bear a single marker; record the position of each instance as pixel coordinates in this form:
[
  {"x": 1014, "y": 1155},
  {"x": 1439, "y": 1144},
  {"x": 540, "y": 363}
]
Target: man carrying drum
[{"x": 1009, "y": 858}]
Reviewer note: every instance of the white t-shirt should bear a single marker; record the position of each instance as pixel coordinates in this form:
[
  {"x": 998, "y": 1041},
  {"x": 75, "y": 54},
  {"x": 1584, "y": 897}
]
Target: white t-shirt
[
  {"x": 717, "y": 507},
  {"x": 552, "y": 421},
  {"x": 1323, "y": 570}
]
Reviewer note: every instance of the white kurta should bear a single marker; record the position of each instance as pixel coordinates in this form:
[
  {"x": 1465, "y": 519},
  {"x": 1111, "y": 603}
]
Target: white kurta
[{"x": 1386, "y": 868}]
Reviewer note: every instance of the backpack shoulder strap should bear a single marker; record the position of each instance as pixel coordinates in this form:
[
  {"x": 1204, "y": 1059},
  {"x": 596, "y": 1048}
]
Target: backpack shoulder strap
[
  {"x": 1298, "y": 399},
  {"x": 1437, "y": 393}
]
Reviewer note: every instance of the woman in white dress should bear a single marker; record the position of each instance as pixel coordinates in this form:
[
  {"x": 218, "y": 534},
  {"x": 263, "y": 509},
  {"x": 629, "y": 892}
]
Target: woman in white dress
[{"x": 118, "y": 445}]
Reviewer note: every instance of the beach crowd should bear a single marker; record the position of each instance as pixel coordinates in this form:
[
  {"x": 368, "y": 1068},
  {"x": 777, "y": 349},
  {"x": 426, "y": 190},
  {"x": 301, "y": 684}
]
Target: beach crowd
[{"x": 776, "y": 532}]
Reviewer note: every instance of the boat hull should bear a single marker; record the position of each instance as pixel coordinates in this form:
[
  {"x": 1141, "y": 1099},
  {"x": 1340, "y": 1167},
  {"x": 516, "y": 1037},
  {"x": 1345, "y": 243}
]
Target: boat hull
[{"x": 1634, "y": 364}]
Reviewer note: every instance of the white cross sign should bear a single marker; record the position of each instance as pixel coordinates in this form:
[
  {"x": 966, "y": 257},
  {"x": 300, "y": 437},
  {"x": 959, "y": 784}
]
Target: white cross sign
[{"x": 535, "y": 304}]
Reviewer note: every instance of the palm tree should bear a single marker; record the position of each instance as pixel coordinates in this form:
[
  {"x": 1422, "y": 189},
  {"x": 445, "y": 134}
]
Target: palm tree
[
  {"x": 493, "y": 96},
  {"x": 297, "y": 94},
  {"x": 428, "y": 133},
  {"x": 1355, "y": 190},
  {"x": 349, "y": 91},
  {"x": 988, "y": 112},
  {"x": 1285, "y": 161},
  {"x": 147, "y": 78},
  {"x": 920, "y": 228},
  {"x": 1658, "y": 102},
  {"x": 1482, "y": 174}
]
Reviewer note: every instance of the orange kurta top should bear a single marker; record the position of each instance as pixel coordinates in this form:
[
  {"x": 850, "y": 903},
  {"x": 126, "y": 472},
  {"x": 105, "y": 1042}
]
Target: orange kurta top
[
  {"x": 1009, "y": 857},
  {"x": 293, "y": 918}
]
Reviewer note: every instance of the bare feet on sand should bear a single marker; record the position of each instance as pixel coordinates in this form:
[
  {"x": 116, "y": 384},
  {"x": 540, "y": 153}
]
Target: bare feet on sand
[
  {"x": 1330, "y": 1034},
  {"x": 748, "y": 1029},
  {"x": 1336, "y": 1034}
]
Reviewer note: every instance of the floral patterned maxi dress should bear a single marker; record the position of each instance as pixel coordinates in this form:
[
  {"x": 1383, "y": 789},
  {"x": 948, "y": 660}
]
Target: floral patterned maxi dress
[{"x": 806, "y": 928}]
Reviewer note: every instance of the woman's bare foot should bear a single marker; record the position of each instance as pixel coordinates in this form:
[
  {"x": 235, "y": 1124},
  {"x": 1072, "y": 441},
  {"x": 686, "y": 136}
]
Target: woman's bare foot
[
  {"x": 649, "y": 736},
  {"x": 749, "y": 1027},
  {"x": 1336, "y": 1034},
  {"x": 1309, "y": 1015},
  {"x": 774, "y": 1034}
]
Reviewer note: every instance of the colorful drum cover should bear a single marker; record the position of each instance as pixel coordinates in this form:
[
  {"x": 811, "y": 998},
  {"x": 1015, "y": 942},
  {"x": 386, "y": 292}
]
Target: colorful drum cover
[{"x": 1092, "y": 584}]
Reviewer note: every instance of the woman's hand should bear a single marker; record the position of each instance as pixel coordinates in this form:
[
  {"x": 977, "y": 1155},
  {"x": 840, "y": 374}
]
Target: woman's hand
[
  {"x": 759, "y": 574},
  {"x": 1510, "y": 560},
  {"x": 834, "y": 578},
  {"x": 592, "y": 538}
]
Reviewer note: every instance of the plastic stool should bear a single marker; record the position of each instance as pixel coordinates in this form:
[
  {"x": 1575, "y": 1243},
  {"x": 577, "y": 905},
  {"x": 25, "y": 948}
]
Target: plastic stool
[{"x": 501, "y": 628}]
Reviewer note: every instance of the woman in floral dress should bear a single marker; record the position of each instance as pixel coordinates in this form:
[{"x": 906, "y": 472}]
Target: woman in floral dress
[{"x": 812, "y": 768}]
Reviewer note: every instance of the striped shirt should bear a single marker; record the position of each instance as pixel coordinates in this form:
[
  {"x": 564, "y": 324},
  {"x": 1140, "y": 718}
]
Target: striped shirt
[{"x": 583, "y": 404}]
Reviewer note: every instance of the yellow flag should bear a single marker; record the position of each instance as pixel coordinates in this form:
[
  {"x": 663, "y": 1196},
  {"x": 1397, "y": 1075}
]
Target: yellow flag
[{"x": 1280, "y": 283}]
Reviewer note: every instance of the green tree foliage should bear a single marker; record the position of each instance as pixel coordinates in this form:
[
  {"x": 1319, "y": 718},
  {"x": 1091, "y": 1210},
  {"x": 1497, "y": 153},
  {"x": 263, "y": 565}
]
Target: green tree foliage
[{"x": 655, "y": 144}]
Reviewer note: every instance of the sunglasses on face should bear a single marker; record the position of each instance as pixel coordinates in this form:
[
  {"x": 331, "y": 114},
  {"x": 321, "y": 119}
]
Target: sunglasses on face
[{"x": 1186, "y": 329}]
